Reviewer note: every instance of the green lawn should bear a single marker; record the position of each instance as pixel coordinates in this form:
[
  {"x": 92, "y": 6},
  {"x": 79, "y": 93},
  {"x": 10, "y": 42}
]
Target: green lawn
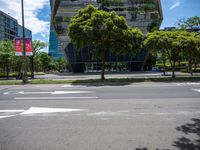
[{"x": 107, "y": 81}]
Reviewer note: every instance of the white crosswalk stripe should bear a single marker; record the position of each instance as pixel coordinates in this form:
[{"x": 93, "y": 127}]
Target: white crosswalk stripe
[
  {"x": 53, "y": 92},
  {"x": 197, "y": 90},
  {"x": 188, "y": 84},
  {"x": 36, "y": 110}
]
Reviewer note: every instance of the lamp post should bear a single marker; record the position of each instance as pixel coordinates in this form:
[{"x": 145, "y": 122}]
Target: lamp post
[{"x": 24, "y": 71}]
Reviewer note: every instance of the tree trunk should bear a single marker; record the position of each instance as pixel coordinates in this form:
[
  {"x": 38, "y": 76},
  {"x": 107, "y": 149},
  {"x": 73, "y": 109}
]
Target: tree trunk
[
  {"x": 173, "y": 70},
  {"x": 190, "y": 65},
  {"x": 103, "y": 69},
  {"x": 7, "y": 72},
  {"x": 32, "y": 68},
  {"x": 164, "y": 68}
]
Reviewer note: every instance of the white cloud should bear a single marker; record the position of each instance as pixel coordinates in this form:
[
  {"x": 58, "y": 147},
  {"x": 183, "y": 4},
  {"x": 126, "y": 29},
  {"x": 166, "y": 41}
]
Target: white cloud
[
  {"x": 31, "y": 10},
  {"x": 177, "y": 3}
]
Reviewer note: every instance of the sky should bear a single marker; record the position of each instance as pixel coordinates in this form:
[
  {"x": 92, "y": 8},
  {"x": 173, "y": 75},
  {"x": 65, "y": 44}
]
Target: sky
[{"x": 37, "y": 14}]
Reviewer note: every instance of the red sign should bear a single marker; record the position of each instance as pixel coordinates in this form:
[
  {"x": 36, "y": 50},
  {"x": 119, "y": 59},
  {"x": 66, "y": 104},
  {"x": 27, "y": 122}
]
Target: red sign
[
  {"x": 18, "y": 47},
  {"x": 18, "y": 44},
  {"x": 28, "y": 42}
]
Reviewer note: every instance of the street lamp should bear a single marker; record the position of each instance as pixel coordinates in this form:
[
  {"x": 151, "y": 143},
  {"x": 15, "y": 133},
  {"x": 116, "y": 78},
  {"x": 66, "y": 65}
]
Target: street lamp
[{"x": 24, "y": 71}]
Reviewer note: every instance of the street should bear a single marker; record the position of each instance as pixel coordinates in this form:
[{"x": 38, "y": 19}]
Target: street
[{"x": 138, "y": 116}]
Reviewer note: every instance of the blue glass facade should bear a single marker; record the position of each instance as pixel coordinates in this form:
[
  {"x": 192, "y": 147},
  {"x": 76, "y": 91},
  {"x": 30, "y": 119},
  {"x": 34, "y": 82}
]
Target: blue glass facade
[
  {"x": 28, "y": 33},
  {"x": 8, "y": 27},
  {"x": 54, "y": 45}
]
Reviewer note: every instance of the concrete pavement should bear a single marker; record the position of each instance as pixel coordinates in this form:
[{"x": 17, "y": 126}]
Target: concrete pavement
[{"x": 96, "y": 75}]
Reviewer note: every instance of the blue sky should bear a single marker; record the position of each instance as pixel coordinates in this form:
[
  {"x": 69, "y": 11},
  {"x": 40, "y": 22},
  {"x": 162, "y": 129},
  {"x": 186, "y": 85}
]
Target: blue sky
[
  {"x": 176, "y": 9},
  {"x": 37, "y": 14}
]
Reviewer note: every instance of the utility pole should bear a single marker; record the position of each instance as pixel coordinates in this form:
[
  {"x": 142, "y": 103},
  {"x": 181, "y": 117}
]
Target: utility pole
[{"x": 24, "y": 71}]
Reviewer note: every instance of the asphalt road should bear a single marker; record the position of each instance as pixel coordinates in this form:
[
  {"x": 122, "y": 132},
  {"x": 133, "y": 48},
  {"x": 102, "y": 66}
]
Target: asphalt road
[{"x": 75, "y": 117}]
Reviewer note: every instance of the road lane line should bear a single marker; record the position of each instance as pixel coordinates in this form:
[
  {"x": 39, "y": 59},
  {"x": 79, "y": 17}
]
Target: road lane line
[
  {"x": 44, "y": 98},
  {"x": 54, "y": 92},
  {"x": 22, "y": 92},
  {"x": 1, "y": 117},
  {"x": 42, "y": 110},
  {"x": 187, "y": 84},
  {"x": 80, "y": 86},
  {"x": 11, "y": 111},
  {"x": 197, "y": 90},
  {"x": 70, "y": 92}
]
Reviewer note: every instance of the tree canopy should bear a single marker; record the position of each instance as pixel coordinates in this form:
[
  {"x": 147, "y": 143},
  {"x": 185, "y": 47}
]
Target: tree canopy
[
  {"x": 106, "y": 31},
  {"x": 173, "y": 45},
  {"x": 189, "y": 23},
  {"x": 37, "y": 46},
  {"x": 6, "y": 56}
]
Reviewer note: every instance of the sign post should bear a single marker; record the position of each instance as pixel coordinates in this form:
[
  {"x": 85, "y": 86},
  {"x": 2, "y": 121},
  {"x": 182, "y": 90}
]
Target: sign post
[{"x": 24, "y": 67}]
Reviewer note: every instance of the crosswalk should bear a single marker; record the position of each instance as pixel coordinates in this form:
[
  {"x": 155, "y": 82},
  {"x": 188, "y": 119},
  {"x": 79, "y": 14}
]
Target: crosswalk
[
  {"x": 197, "y": 90},
  {"x": 194, "y": 86},
  {"x": 58, "y": 94},
  {"x": 188, "y": 84},
  {"x": 36, "y": 110}
]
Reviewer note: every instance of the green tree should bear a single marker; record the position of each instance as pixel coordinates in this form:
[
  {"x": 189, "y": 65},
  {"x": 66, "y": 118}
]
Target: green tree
[
  {"x": 61, "y": 64},
  {"x": 168, "y": 44},
  {"x": 188, "y": 23},
  {"x": 156, "y": 47},
  {"x": 190, "y": 43},
  {"x": 37, "y": 46},
  {"x": 45, "y": 61},
  {"x": 190, "y": 46},
  {"x": 6, "y": 56},
  {"x": 107, "y": 31}
]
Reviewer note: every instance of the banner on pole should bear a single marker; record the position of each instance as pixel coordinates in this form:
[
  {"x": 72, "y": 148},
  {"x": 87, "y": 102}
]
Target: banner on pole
[
  {"x": 18, "y": 45},
  {"x": 28, "y": 43}
]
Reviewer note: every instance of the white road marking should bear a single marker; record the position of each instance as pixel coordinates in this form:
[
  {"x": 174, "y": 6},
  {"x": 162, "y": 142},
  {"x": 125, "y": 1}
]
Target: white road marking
[
  {"x": 197, "y": 90},
  {"x": 183, "y": 112},
  {"x": 9, "y": 93},
  {"x": 1, "y": 117},
  {"x": 42, "y": 98},
  {"x": 80, "y": 86},
  {"x": 11, "y": 111},
  {"x": 70, "y": 92},
  {"x": 104, "y": 119},
  {"x": 161, "y": 113},
  {"x": 39, "y": 110},
  {"x": 69, "y": 85},
  {"x": 6, "y": 93},
  {"x": 103, "y": 113},
  {"x": 55, "y": 92},
  {"x": 187, "y": 83},
  {"x": 22, "y": 92}
]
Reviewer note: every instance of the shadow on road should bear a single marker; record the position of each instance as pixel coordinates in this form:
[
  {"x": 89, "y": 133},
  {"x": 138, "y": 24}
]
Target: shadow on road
[{"x": 184, "y": 142}]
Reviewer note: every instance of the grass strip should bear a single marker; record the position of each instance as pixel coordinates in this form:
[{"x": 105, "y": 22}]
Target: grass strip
[{"x": 107, "y": 81}]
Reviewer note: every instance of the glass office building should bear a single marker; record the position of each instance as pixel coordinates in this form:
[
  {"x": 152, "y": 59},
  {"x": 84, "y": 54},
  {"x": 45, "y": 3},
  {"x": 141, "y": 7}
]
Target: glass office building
[
  {"x": 8, "y": 27},
  {"x": 54, "y": 44},
  {"x": 28, "y": 33},
  {"x": 144, "y": 14}
]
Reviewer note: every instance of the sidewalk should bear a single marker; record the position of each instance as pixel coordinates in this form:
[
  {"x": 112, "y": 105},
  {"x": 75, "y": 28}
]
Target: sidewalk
[{"x": 96, "y": 75}]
